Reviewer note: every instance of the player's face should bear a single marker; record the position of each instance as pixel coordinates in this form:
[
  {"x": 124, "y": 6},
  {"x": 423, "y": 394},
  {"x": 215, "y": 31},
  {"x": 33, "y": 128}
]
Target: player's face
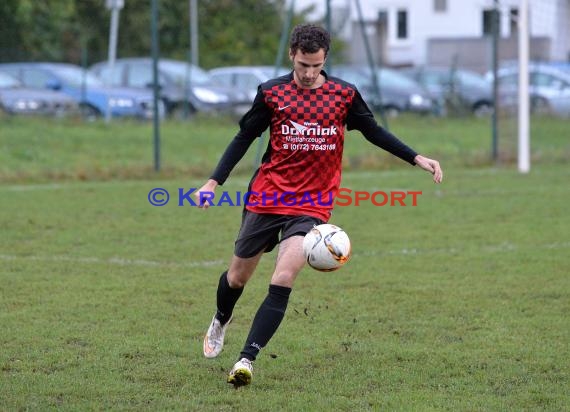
[{"x": 307, "y": 67}]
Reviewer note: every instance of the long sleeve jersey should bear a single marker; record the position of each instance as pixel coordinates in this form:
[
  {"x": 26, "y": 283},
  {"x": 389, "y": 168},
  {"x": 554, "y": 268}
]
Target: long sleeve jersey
[{"x": 300, "y": 172}]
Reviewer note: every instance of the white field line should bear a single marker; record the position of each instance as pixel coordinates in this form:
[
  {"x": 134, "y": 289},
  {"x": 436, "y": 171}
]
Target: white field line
[
  {"x": 67, "y": 186},
  {"x": 491, "y": 249},
  {"x": 111, "y": 261}
]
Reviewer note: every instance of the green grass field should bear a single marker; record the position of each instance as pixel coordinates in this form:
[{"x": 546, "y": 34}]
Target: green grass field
[{"x": 461, "y": 303}]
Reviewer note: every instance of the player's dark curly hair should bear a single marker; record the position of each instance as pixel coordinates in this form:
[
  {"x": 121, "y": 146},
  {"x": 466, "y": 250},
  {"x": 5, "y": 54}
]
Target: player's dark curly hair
[{"x": 309, "y": 38}]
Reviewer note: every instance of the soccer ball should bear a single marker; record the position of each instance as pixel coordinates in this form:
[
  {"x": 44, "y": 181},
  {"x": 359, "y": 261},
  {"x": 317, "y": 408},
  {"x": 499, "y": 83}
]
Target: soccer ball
[{"x": 326, "y": 247}]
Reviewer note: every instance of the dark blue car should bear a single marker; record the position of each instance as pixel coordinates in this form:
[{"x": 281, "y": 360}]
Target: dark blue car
[{"x": 94, "y": 98}]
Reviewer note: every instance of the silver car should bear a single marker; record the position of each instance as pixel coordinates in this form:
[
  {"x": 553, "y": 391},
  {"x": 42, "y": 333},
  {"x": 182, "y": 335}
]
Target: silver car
[
  {"x": 246, "y": 78},
  {"x": 15, "y": 98},
  {"x": 549, "y": 89}
]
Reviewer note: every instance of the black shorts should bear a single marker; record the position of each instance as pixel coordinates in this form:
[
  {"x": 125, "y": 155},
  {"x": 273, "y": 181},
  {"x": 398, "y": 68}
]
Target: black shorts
[{"x": 261, "y": 232}]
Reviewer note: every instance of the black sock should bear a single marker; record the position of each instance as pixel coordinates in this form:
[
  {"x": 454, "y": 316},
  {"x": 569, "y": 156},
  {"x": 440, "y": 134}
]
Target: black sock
[
  {"x": 266, "y": 321},
  {"x": 226, "y": 299}
]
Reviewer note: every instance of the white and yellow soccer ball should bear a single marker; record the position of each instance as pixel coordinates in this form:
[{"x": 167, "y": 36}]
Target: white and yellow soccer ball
[{"x": 326, "y": 247}]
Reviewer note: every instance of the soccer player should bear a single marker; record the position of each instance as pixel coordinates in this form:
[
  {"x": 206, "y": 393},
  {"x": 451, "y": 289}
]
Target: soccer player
[{"x": 306, "y": 112}]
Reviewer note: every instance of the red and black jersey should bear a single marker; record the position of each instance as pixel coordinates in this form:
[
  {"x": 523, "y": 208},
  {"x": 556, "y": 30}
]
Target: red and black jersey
[{"x": 301, "y": 169}]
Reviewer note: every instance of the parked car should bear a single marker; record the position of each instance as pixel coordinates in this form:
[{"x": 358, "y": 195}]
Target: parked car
[
  {"x": 15, "y": 98},
  {"x": 560, "y": 65},
  {"x": 394, "y": 94},
  {"x": 92, "y": 96},
  {"x": 455, "y": 88},
  {"x": 246, "y": 78},
  {"x": 549, "y": 89},
  {"x": 183, "y": 86}
]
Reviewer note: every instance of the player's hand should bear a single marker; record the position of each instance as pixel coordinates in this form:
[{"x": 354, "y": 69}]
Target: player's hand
[
  {"x": 205, "y": 192},
  {"x": 431, "y": 166}
]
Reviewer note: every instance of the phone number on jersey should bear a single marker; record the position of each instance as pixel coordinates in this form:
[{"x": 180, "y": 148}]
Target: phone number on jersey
[{"x": 306, "y": 146}]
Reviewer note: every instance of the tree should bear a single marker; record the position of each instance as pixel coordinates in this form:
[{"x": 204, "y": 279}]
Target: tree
[
  {"x": 37, "y": 30},
  {"x": 230, "y": 31},
  {"x": 10, "y": 36},
  {"x": 240, "y": 32}
]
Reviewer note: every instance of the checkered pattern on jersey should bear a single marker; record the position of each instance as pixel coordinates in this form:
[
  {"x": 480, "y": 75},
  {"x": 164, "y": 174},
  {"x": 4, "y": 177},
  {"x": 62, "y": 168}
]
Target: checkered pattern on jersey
[{"x": 307, "y": 138}]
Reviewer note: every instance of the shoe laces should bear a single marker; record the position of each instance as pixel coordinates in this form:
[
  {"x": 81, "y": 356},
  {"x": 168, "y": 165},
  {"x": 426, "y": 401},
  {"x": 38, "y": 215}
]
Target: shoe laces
[
  {"x": 217, "y": 330},
  {"x": 247, "y": 363}
]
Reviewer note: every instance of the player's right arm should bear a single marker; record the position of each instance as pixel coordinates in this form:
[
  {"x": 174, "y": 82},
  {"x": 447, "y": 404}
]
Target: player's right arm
[{"x": 205, "y": 192}]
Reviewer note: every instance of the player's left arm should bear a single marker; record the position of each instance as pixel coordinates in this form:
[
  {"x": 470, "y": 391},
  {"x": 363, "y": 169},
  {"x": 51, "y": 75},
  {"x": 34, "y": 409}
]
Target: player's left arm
[
  {"x": 361, "y": 118},
  {"x": 430, "y": 165}
]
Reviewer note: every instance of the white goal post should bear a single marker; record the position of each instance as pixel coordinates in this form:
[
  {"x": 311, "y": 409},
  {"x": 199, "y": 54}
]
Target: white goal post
[{"x": 523, "y": 100}]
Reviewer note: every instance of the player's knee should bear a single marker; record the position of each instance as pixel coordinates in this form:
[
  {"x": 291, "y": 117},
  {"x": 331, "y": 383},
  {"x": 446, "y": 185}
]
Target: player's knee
[{"x": 237, "y": 280}]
